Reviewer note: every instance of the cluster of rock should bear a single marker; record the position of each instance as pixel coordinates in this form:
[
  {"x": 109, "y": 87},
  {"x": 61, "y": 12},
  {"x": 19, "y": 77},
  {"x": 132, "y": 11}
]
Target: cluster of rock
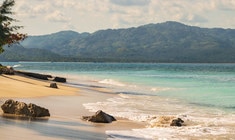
[
  {"x": 100, "y": 117},
  {"x": 20, "y": 108},
  {"x": 6, "y": 70},
  {"x": 31, "y": 110}
]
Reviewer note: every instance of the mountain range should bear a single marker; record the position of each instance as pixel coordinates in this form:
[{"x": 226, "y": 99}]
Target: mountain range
[{"x": 168, "y": 42}]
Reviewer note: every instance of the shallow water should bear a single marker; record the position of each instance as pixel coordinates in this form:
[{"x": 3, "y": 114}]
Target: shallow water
[{"x": 201, "y": 94}]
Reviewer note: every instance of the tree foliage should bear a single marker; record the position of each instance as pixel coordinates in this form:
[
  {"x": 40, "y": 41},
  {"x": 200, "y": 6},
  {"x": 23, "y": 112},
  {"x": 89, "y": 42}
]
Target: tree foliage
[{"x": 8, "y": 32}]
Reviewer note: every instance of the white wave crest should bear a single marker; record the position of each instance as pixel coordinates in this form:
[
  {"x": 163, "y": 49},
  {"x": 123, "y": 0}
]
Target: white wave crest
[
  {"x": 15, "y": 66},
  {"x": 160, "y": 89},
  {"x": 112, "y": 82}
]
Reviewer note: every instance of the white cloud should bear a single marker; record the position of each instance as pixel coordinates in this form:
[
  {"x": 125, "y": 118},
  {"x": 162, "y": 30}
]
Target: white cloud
[
  {"x": 92, "y": 15},
  {"x": 69, "y": 26},
  {"x": 193, "y": 12},
  {"x": 24, "y": 8},
  {"x": 130, "y": 2},
  {"x": 192, "y": 18},
  {"x": 226, "y": 4},
  {"x": 65, "y": 3},
  {"x": 57, "y": 16}
]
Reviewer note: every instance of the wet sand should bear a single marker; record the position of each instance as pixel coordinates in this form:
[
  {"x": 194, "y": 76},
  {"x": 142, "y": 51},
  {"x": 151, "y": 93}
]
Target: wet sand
[{"x": 66, "y": 109}]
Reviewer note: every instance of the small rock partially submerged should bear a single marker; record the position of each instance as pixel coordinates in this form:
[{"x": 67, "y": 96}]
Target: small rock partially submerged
[
  {"x": 20, "y": 108},
  {"x": 177, "y": 122},
  {"x": 100, "y": 117},
  {"x": 166, "y": 121}
]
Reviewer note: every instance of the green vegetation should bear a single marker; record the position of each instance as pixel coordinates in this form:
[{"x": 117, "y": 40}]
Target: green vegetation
[
  {"x": 164, "y": 42},
  {"x": 17, "y": 52},
  {"x": 8, "y": 34}
]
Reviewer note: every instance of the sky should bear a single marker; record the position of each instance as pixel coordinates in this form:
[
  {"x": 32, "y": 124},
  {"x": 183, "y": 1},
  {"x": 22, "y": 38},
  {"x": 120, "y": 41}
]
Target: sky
[{"x": 41, "y": 17}]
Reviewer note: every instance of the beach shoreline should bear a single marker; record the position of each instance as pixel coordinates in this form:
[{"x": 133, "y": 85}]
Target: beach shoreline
[
  {"x": 129, "y": 94},
  {"x": 66, "y": 108}
]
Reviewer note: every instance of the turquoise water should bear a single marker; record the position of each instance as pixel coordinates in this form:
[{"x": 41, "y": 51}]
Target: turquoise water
[
  {"x": 201, "y": 94},
  {"x": 202, "y": 84}
]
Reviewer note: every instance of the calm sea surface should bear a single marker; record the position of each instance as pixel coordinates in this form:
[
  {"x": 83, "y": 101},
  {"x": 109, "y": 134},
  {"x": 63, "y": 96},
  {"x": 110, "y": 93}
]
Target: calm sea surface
[{"x": 201, "y": 94}]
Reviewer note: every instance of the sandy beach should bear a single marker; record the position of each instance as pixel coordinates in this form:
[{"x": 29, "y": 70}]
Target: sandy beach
[
  {"x": 126, "y": 94},
  {"x": 19, "y": 86},
  {"x": 66, "y": 109}
]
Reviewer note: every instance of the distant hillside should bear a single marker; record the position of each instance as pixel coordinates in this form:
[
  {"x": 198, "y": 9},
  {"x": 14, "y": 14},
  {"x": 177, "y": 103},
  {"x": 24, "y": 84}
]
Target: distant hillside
[
  {"x": 19, "y": 53},
  {"x": 162, "y": 42}
]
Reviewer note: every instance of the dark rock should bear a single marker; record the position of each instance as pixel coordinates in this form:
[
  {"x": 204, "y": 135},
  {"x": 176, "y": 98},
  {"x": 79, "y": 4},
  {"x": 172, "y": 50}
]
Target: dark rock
[
  {"x": 100, "y": 117},
  {"x": 6, "y": 70},
  {"x": 20, "y": 108},
  {"x": 53, "y": 85},
  {"x": 37, "y": 111},
  {"x": 60, "y": 79},
  {"x": 177, "y": 122},
  {"x": 35, "y": 75},
  {"x": 15, "y": 107},
  {"x": 1, "y": 68}
]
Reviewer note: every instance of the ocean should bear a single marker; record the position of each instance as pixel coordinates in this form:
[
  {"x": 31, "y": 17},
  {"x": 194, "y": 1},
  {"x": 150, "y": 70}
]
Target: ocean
[{"x": 203, "y": 95}]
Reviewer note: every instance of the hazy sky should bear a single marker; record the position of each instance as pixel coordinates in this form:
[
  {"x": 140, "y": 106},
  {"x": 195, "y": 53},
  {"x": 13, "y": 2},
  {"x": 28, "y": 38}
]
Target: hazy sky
[{"x": 49, "y": 16}]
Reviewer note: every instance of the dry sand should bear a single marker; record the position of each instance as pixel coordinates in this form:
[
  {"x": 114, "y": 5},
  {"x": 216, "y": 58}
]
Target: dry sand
[{"x": 19, "y": 86}]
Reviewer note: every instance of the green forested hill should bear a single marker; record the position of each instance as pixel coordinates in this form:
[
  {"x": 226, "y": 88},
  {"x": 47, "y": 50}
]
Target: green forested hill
[
  {"x": 19, "y": 53},
  {"x": 162, "y": 42}
]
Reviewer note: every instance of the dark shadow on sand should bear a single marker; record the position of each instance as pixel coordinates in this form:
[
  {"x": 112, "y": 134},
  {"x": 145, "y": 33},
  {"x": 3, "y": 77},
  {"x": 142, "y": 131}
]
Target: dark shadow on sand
[
  {"x": 85, "y": 85},
  {"x": 116, "y": 136},
  {"x": 53, "y": 128},
  {"x": 9, "y": 77}
]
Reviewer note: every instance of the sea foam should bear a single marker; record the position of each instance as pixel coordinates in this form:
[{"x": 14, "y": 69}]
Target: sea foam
[
  {"x": 162, "y": 133},
  {"x": 112, "y": 82},
  {"x": 15, "y": 66},
  {"x": 198, "y": 122}
]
